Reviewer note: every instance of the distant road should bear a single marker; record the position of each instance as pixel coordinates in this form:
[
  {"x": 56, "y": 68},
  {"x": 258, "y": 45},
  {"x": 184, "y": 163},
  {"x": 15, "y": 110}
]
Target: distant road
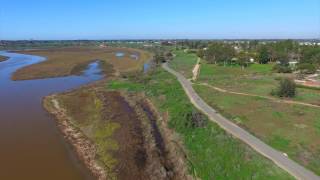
[{"x": 277, "y": 157}]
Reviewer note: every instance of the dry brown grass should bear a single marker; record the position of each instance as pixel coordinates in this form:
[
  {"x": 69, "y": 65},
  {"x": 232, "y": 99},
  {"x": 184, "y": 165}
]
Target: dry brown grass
[{"x": 66, "y": 61}]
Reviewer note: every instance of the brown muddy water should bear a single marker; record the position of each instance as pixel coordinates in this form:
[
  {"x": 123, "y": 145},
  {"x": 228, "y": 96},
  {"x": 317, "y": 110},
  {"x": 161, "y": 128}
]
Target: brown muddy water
[{"x": 31, "y": 146}]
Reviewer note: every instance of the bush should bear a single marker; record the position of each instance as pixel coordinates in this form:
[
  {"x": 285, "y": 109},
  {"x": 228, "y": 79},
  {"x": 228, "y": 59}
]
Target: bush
[
  {"x": 287, "y": 88},
  {"x": 159, "y": 58},
  {"x": 196, "y": 119},
  {"x": 307, "y": 68},
  {"x": 281, "y": 69},
  {"x": 192, "y": 51}
]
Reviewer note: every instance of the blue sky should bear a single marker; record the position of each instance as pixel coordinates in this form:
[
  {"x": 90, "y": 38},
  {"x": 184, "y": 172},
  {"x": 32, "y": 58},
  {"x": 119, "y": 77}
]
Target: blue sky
[{"x": 132, "y": 19}]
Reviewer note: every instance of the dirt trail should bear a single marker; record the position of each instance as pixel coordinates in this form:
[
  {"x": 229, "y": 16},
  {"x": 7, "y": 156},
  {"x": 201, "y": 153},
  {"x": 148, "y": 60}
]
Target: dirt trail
[
  {"x": 264, "y": 97},
  {"x": 196, "y": 70}
]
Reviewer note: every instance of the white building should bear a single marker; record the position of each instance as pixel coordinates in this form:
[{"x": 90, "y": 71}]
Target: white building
[{"x": 293, "y": 63}]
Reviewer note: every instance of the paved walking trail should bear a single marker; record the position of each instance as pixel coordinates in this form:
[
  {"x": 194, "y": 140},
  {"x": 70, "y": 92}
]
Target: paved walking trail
[{"x": 277, "y": 157}]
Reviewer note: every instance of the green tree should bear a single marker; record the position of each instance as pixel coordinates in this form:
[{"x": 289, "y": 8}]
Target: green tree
[
  {"x": 243, "y": 59},
  {"x": 264, "y": 55},
  {"x": 306, "y": 68},
  {"x": 219, "y": 53},
  {"x": 253, "y": 44},
  {"x": 201, "y": 53},
  {"x": 311, "y": 55}
]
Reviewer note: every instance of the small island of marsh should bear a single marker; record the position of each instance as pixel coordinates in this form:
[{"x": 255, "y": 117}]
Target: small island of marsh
[{"x": 3, "y": 58}]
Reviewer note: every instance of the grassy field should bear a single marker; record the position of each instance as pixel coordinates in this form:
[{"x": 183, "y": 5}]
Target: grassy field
[
  {"x": 3, "y": 58},
  {"x": 293, "y": 129},
  {"x": 257, "y": 79},
  {"x": 67, "y": 61},
  {"x": 184, "y": 63},
  {"x": 212, "y": 153}
]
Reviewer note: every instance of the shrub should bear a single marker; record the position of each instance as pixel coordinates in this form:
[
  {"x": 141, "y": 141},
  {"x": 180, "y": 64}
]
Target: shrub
[
  {"x": 287, "y": 88},
  {"x": 192, "y": 51},
  {"x": 307, "y": 68},
  {"x": 196, "y": 119},
  {"x": 281, "y": 69}
]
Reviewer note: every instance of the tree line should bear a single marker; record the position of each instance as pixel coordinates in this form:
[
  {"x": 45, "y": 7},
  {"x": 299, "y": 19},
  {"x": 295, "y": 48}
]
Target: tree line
[{"x": 280, "y": 53}]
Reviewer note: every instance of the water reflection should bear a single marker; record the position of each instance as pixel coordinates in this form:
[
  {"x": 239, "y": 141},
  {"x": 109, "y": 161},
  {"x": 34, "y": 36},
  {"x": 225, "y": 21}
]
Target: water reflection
[{"x": 120, "y": 54}]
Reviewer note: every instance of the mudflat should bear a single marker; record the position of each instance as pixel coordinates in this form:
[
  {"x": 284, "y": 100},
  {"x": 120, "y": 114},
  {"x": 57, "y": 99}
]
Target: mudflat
[{"x": 73, "y": 60}]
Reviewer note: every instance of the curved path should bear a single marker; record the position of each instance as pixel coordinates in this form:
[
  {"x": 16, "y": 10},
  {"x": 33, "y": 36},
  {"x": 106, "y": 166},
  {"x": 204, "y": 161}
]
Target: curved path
[
  {"x": 254, "y": 95},
  {"x": 277, "y": 157}
]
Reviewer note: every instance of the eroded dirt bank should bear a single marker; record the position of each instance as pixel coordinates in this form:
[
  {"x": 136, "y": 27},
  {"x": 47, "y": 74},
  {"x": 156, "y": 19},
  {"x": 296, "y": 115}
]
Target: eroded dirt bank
[
  {"x": 84, "y": 148},
  {"x": 118, "y": 135}
]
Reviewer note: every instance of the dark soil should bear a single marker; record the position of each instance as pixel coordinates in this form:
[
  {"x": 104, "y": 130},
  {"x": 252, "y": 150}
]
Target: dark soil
[{"x": 131, "y": 154}]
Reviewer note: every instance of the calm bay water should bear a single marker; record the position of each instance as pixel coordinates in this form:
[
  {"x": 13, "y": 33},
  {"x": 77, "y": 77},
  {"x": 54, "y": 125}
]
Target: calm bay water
[{"x": 31, "y": 146}]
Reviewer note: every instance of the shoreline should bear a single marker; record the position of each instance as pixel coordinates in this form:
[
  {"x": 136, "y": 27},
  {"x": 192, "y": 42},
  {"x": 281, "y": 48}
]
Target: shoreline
[
  {"x": 82, "y": 146},
  {"x": 3, "y": 58}
]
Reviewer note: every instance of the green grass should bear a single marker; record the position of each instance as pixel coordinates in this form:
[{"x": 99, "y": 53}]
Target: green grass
[
  {"x": 279, "y": 142},
  {"x": 129, "y": 86},
  {"x": 261, "y": 68},
  {"x": 288, "y": 128},
  {"x": 293, "y": 129},
  {"x": 213, "y": 154},
  {"x": 257, "y": 79},
  {"x": 317, "y": 125},
  {"x": 184, "y": 62}
]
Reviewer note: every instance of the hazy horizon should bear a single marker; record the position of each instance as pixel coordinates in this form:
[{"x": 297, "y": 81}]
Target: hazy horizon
[{"x": 155, "y": 39}]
